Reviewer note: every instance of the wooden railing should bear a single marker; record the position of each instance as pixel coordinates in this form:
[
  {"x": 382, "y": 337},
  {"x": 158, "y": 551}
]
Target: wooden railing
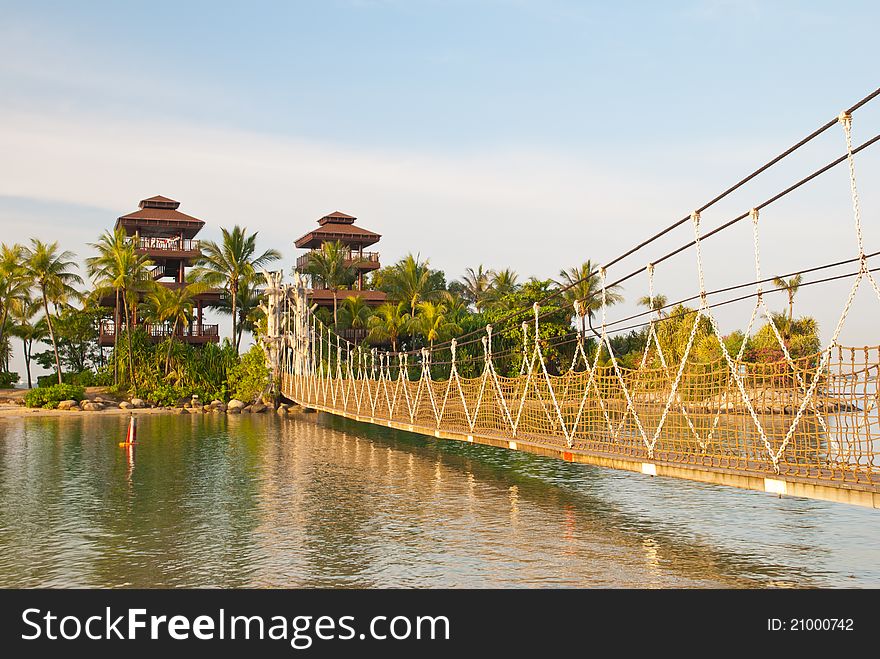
[
  {"x": 163, "y": 330},
  {"x": 168, "y": 244},
  {"x": 366, "y": 258}
]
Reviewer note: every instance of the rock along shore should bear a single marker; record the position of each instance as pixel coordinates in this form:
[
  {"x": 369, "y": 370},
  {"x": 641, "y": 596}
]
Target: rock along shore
[{"x": 12, "y": 405}]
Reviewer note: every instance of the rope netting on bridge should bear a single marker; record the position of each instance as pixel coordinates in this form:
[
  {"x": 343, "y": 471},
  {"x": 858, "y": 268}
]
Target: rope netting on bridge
[{"x": 813, "y": 417}]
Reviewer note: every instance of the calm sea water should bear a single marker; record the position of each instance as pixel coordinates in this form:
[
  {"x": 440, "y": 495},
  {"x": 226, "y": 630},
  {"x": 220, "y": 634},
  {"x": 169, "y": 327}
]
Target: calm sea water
[{"x": 320, "y": 502}]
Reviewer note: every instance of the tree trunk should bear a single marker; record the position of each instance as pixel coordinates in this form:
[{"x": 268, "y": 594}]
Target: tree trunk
[
  {"x": 128, "y": 327},
  {"x": 238, "y": 338},
  {"x": 116, "y": 341},
  {"x": 790, "y": 307},
  {"x": 170, "y": 346},
  {"x": 52, "y": 335},
  {"x": 335, "y": 324},
  {"x": 3, "y": 321},
  {"x": 583, "y": 327},
  {"x": 233, "y": 291},
  {"x": 27, "y": 361}
]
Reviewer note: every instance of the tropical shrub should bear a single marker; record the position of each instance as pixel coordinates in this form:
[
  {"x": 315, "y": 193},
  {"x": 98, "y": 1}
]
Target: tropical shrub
[
  {"x": 167, "y": 395},
  {"x": 49, "y": 397},
  {"x": 83, "y": 379},
  {"x": 250, "y": 376},
  {"x": 7, "y": 380}
]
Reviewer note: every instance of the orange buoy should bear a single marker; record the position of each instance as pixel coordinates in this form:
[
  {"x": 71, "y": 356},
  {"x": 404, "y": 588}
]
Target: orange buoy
[{"x": 131, "y": 438}]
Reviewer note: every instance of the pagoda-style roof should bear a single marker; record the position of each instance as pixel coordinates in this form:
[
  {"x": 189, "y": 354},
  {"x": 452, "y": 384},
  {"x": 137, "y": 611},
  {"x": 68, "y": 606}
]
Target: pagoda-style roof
[
  {"x": 158, "y": 216},
  {"x": 341, "y": 227},
  {"x": 337, "y": 217}
]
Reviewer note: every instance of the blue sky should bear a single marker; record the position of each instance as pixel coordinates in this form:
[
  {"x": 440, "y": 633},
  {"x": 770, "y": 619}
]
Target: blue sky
[{"x": 526, "y": 134}]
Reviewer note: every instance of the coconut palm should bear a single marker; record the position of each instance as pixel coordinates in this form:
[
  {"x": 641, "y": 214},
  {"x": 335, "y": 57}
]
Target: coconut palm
[
  {"x": 388, "y": 323},
  {"x": 248, "y": 307},
  {"x": 356, "y": 313},
  {"x": 503, "y": 282},
  {"x": 583, "y": 291},
  {"x": 22, "y": 311},
  {"x": 476, "y": 285},
  {"x": 409, "y": 281},
  {"x": 332, "y": 266},
  {"x": 13, "y": 282},
  {"x": 173, "y": 306},
  {"x": 791, "y": 287},
  {"x": 456, "y": 306},
  {"x": 120, "y": 269},
  {"x": 235, "y": 259},
  {"x": 655, "y": 303},
  {"x": 433, "y": 322},
  {"x": 50, "y": 271}
]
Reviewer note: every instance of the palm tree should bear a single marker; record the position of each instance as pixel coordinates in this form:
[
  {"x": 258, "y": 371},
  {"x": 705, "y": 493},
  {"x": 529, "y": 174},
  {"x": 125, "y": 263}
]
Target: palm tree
[
  {"x": 409, "y": 281},
  {"x": 119, "y": 267},
  {"x": 456, "y": 306},
  {"x": 233, "y": 260},
  {"x": 13, "y": 282},
  {"x": 23, "y": 309},
  {"x": 583, "y": 291},
  {"x": 356, "y": 313},
  {"x": 655, "y": 303},
  {"x": 432, "y": 322},
  {"x": 248, "y": 303},
  {"x": 503, "y": 282},
  {"x": 476, "y": 285},
  {"x": 791, "y": 287},
  {"x": 50, "y": 271},
  {"x": 332, "y": 265},
  {"x": 173, "y": 306},
  {"x": 388, "y": 323}
]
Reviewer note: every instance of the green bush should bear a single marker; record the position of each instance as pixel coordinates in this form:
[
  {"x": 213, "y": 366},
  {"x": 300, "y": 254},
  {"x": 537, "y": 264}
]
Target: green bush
[
  {"x": 7, "y": 380},
  {"x": 250, "y": 376},
  {"x": 49, "y": 397},
  {"x": 167, "y": 395},
  {"x": 83, "y": 379}
]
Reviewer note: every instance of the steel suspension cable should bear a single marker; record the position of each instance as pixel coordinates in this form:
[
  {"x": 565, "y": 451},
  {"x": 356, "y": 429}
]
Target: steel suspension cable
[
  {"x": 691, "y": 243},
  {"x": 522, "y": 313}
]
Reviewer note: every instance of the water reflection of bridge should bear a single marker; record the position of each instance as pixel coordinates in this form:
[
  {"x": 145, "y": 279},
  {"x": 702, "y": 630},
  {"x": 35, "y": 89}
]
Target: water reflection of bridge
[{"x": 838, "y": 462}]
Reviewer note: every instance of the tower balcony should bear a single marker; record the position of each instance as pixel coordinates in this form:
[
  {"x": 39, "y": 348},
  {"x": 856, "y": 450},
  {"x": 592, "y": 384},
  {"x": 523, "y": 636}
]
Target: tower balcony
[
  {"x": 168, "y": 248},
  {"x": 195, "y": 332},
  {"x": 363, "y": 261}
]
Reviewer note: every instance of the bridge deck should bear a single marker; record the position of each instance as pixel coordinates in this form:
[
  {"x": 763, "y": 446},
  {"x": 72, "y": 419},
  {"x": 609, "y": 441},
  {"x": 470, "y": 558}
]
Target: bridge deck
[{"x": 835, "y": 461}]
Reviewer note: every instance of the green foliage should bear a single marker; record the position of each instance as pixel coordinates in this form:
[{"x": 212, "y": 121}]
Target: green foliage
[
  {"x": 389, "y": 323},
  {"x": 583, "y": 291},
  {"x": 7, "y": 380},
  {"x": 76, "y": 334},
  {"x": 49, "y": 397},
  {"x": 233, "y": 264},
  {"x": 555, "y": 324},
  {"x": 410, "y": 281},
  {"x": 433, "y": 322},
  {"x": 50, "y": 270},
  {"x": 801, "y": 337},
  {"x": 629, "y": 348},
  {"x": 192, "y": 369},
  {"x": 354, "y": 314},
  {"x": 250, "y": 376},
  {"x": 168, "y": 395},
  {"x": 83, "y": 379},
  {"x": 674, "y": 332}
]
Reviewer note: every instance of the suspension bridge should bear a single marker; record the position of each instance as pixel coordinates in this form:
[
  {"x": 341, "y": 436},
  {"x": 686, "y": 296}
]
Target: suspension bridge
[{"x": 801, "y": 426}]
